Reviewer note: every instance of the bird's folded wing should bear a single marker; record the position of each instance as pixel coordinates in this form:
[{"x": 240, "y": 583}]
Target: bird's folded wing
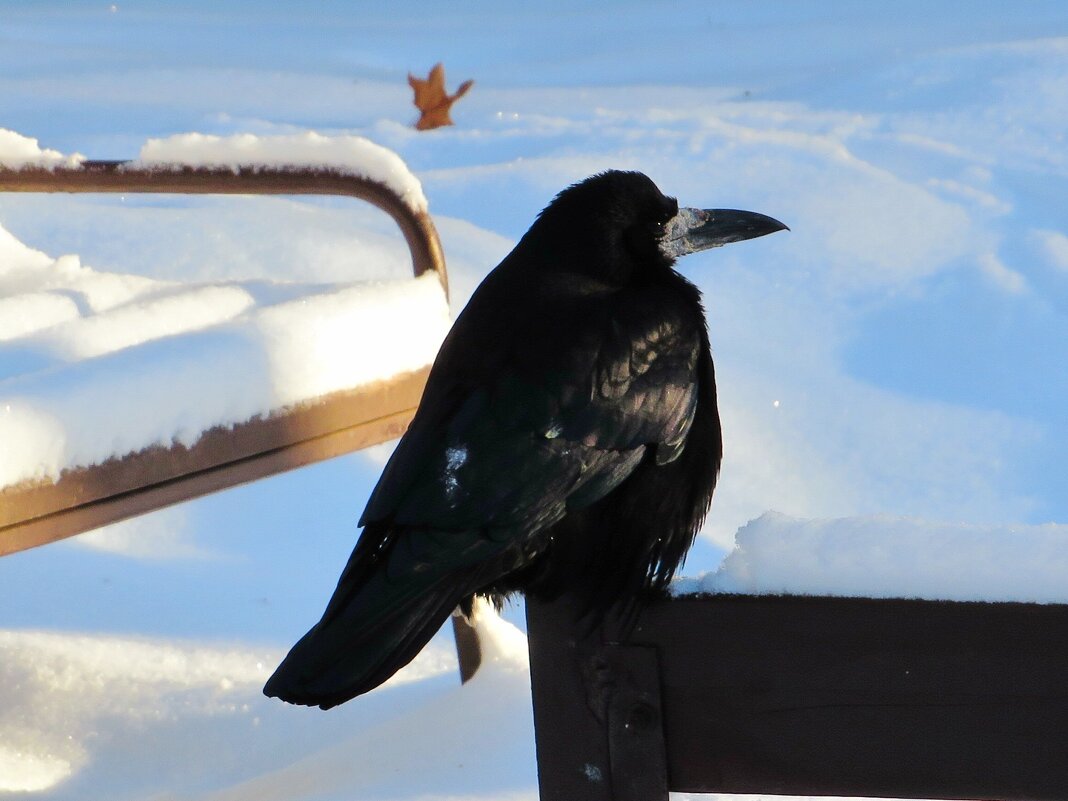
[{"x": 561, "y": 410}]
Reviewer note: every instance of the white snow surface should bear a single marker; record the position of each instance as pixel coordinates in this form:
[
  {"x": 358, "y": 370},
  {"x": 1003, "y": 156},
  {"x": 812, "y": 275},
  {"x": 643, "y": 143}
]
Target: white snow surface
[
  {"x": 353, "y": 155},
  {"x": 95, "y": 364},
  {"x": 888, "y": 557},
  {"x": 893, "y": 367},
  {"x": 75, "y": 703},
  {"x": 17, "y": 151}
]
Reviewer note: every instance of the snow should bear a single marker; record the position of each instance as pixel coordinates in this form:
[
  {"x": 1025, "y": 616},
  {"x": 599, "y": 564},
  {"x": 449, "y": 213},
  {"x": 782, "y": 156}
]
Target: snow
[
  {"x": 18, "y": 151},
  {"x": 888, "y": 557},
  {"x": 73, "y": 704},
  {"x": 353, "y": 155},
  {"x": 153, "y": 362},
  {"x": 892, "y": 369}
]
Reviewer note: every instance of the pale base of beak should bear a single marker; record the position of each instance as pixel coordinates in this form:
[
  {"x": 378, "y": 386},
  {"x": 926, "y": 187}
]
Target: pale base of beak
[{"x": 692, "y": 230}]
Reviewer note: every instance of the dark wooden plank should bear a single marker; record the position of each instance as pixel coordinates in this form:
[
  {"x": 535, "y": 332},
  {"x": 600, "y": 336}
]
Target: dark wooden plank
[
  {"x": 834, "y": 696},
  {"x": 597, "y": 714},
  {"x": 815, "y": 696}
]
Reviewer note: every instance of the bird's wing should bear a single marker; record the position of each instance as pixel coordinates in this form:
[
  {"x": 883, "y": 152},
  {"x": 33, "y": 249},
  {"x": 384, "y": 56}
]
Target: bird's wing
[{"x": 555, "y": 413}]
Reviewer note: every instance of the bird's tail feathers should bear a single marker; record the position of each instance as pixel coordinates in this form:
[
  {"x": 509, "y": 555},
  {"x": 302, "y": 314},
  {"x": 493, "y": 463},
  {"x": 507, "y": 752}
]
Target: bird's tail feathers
[{"x": 382, "y": 613}]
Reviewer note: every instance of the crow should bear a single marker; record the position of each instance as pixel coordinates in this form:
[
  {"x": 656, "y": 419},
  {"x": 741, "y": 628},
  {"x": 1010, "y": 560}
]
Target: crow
[{"x": 568, "y": 439}]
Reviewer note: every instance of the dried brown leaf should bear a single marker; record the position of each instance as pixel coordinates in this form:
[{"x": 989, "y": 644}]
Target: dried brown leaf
[{"x": 432, "y": 100}]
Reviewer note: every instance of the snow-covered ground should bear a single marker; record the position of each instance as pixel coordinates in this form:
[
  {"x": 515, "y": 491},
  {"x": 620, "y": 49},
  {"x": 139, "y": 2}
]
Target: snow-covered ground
[{"x": 897, "y": 359}]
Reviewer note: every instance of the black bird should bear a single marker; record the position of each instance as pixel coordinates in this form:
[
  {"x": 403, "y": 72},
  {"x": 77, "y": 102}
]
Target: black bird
[{"x": 568, "y": 438}]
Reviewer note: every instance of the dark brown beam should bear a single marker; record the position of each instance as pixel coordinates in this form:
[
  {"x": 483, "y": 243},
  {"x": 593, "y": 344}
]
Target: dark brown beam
[{"x": 817, "y": 696}]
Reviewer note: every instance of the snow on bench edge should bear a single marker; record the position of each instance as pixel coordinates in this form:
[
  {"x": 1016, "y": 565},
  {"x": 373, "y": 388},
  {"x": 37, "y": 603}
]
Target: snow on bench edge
[
  {"x": 174, "y": 388},
  {"x": 892, "y": 557}
]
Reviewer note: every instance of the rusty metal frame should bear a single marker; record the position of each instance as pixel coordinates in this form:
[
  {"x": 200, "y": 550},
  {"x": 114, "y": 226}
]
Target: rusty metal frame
[{"x": 84, "y": 498}]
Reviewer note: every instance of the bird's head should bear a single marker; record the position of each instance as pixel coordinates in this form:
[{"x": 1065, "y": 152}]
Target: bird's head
[{"x": 619, "y": 226}]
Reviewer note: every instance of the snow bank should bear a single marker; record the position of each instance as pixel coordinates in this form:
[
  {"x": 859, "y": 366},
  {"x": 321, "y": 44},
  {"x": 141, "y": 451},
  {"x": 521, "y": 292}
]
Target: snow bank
[
  {"x": 95, "y": 365},
  {"x": 353, "y": 155},
  {"x": 84, "y": 711},
  {"x": 487, "y": 722},
  {"x": 63, "y": 693},
  {"x": 17, "y": 151},
  {"x": 892, "y": 557}
]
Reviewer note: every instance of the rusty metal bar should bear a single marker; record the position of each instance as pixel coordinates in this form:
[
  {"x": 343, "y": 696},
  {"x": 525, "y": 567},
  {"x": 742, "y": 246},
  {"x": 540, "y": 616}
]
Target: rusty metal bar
[
  {"x": 85, "y": 498},
  {"x": 124, "y": 176}
]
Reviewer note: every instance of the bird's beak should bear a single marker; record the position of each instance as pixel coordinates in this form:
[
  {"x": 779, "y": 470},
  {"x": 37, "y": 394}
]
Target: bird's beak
[{"x": 692, "y": 230}]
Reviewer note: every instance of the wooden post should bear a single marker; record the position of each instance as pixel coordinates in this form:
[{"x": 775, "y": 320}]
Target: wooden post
[
  {"x": 804, "y": 696},
  {"x": 597, "y": 711}
]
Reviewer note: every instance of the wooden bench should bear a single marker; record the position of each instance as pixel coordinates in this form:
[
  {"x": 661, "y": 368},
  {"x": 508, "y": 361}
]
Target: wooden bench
[
  {"x": 34, "y": 513},
  {"x": 803, "y": 696}
]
